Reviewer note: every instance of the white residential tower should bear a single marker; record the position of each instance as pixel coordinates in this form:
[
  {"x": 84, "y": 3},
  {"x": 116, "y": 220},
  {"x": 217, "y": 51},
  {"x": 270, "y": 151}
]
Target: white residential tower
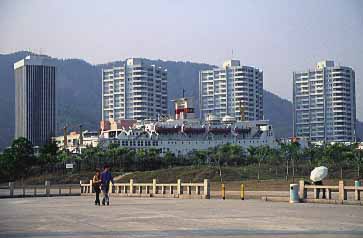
[
  {"x": 232, "y": 90},
  {"x": 134, "y": 90},
  {"x": 324, "y": 103}
]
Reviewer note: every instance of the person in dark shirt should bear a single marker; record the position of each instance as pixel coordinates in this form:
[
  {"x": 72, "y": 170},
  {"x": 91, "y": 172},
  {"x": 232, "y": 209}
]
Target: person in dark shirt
[
  {"x": 96, "y": 185},
  {"x": 106, "y": 178}
]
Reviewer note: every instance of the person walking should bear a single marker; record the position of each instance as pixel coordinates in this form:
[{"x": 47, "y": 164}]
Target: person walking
[
  {"x": 106, "y": 178},
  {"x": 96, "y": 182}
]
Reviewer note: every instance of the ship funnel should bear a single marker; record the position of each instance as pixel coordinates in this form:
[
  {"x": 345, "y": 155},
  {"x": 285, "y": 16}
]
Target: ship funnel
[{"x": 184, "y": 108}]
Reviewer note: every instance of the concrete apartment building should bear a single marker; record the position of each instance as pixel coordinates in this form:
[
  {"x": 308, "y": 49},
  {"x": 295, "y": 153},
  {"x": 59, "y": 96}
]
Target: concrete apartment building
[
  {"x": 35, "y": 99},
  {"x": 232, "y": 90},
  {"x": 324, "y": 103},
  {"x": 134, "y": 90}
]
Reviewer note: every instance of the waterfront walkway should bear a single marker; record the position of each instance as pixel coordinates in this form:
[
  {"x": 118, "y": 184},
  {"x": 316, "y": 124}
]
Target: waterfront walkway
[{"x": 145, "y": 217}]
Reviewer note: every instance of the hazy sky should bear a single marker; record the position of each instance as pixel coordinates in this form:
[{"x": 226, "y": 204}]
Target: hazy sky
[{"x": 276, "y": 36}]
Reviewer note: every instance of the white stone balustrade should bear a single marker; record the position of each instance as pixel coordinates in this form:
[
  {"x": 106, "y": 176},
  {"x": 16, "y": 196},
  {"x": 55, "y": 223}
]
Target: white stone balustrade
[
  {"x": 154, "y": 189},
  {"x": 327, "y": 190}
]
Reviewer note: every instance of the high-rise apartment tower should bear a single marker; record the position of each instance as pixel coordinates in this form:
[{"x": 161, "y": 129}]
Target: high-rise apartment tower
[
  {"x": 324, "y": 103},
  {"x": 135, "y": 90},
  {"x": 232, "y": 90}
]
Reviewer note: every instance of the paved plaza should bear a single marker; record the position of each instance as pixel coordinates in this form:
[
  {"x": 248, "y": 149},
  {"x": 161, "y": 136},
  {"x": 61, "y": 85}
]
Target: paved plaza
[{"x": 153, "y": 217}]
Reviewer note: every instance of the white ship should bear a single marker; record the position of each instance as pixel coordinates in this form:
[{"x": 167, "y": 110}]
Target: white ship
[{"x": 185, "y": 134}]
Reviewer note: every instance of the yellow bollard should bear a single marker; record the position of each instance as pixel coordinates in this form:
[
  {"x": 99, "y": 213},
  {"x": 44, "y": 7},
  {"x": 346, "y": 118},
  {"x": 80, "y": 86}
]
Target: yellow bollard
[
  {"x": 223, "y": 192},
  {"x": 242, "y": 191}
]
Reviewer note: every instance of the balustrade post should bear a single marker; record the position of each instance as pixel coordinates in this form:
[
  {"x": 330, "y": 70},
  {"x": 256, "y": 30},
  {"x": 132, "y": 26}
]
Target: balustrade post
[
  {"x": 154, "y": 186},
  {"x": 90, "y": 188},
  {"x": 206, "y": 189},
  {"x": 328, "y": 190},
  {"x": 179, "y": 187},
  {"x": 11, "y": 188},
  {"x": 324, "y": 193},
  {"x": 131, "y": 186},
  {"x": 47, "y": 188},
  {"x": 342, "y": 192},
  {"x": 316, "y": 193},
  {"x": 302, "y": 190},
  {"x": 357, "y": 194}
]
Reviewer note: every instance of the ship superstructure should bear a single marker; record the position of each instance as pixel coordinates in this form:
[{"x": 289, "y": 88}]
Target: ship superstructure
[{"x": 185, "y": 134}]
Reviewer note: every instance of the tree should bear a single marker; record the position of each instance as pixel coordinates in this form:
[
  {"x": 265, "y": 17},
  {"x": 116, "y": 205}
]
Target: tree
[
  {"x": 337, "y": 155},
  {"x": 18, "y": 158},
  {"x": 141, "y": 157},
  {"x": 152, "y": 159},
  {"x": 284, "y": 151},
  {"x": 261, "y": 153},
  {"x": 199, "y": 157},
  {"x": 90, "y": 157},
  {"x": 7, "y": 164},
  {"x": 275, "y": 159},
  {"x": 215, "y": 155},
  {"x": 295, "y": 152},
  {"x": 169, "y": 159},
  {"x": 123, "y": 159},
  {"x": 292, "y": 152},
  {"x": 223, "y": 152},
  {"x": 48, "y": 153},
  {"x": 131, "y": 160},
  {"x": 113, "y": 153},
  {"x": 358, "y": 158},
  {"x": 235, "y": 154},
  {"x": 63, "y": 156},
  {"x": 311, "y": 153},
  {"x": 252, "y": 153}
]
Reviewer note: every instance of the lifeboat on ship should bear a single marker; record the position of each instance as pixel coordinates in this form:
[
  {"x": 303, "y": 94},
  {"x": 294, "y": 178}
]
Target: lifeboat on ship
[
  {"x": 160, "y": 129},
  {"x": 219, "y": 130},
  {"x": 212, "y": 119},
  {"x": 228, "y": 120},
  {"x": 194, "y": 130},
  {"x": 242, "y": 130}
]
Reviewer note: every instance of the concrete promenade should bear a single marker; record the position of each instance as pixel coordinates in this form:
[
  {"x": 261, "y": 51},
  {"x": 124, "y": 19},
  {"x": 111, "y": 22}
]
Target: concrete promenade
[{"x": 145, "y": 217}]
